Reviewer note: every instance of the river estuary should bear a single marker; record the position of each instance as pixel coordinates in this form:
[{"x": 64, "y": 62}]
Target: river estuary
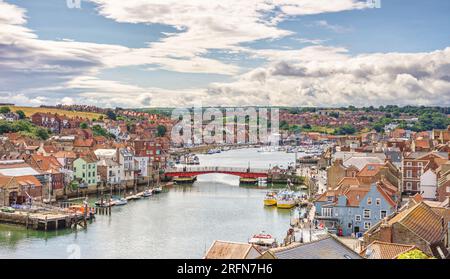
[{"x": 181, "y": 222}]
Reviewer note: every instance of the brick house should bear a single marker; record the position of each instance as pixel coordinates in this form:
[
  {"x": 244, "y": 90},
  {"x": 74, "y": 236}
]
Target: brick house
[{"x": 415, "y": 164}]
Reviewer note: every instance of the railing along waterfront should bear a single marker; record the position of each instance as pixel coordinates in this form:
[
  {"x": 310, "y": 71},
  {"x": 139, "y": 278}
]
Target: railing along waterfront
[{"x": 217, "y": 169}]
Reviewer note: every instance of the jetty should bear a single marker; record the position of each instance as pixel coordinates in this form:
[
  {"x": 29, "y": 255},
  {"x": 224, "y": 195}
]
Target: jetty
[{"x": 44, "y": 221}]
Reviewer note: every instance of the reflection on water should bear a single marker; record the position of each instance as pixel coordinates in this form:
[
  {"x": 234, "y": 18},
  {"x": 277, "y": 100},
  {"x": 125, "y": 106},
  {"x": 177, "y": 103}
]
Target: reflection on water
[{"x": 181, "y": 223}]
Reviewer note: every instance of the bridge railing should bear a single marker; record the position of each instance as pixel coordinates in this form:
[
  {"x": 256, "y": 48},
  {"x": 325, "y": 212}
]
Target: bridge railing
[{"x": 216, "y": 169}]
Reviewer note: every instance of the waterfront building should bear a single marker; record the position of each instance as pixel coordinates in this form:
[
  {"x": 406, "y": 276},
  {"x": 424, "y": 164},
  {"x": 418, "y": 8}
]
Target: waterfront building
[
  {"x": 18, "y": 189},
  {"x": 126, "y": 160},
  {"x": 353, "y": 210},
  {"x": 109, "y": 172},
  {"x": 85, "y": 169},
  {"x": 51, "y": 166}
]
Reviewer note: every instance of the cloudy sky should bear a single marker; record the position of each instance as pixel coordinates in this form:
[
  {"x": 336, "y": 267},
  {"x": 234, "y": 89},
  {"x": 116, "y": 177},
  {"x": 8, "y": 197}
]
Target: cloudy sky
[{"x": 142, "y": 53}]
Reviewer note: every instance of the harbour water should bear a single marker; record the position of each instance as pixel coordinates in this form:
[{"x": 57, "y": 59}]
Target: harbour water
[{"x": 182, "y": 222}]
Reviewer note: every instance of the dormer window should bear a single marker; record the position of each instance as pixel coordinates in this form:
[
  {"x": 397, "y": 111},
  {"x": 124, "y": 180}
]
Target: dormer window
[{"x": 369, "y": 201}]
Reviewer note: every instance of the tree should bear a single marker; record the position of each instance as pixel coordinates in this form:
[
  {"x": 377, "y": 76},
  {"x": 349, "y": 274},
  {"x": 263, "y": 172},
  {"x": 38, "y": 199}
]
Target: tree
[
  {"x": 345, "y": 130},
  {"x": 413, "y": 254},
  {"x": 334, "y": 114},
  {"x": 161, "y": 130},
  {"x": 378, "y": 127},
  {"x": 21, "y": 114},
  {"x": 5, "y": 110},
  {"x": 97, "y": 130},
  {"x": 306, "y": 126},
  {"x": 42, "y": 133},
  {"x": 83, "y": 125}
]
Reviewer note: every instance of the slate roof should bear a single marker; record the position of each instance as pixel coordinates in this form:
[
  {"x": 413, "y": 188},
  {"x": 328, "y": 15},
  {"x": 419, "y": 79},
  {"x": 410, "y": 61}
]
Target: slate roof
[{"x": 326, "y": 248}]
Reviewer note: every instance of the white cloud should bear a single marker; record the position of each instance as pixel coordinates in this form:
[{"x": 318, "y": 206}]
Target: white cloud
[
  {"x": 372, "y": 79},
  {"x": 64, "y": 71},
  {"x": 333, "y": 27}
]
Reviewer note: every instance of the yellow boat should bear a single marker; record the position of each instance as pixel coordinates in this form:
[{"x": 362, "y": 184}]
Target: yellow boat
[
  {"x": 270, "y": 199},
  {"x": 285, "y": 204},
  {"x": 286, "y": 200}
]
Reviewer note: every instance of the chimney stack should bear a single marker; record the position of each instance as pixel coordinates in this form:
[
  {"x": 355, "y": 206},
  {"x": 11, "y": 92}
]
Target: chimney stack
[{"x": 385, "y": 232}]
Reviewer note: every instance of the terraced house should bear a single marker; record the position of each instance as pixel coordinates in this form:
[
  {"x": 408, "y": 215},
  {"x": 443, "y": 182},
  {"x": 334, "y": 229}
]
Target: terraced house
[
  {"x": 353, "y": 210},
  {"x": 85, "y": 170}
]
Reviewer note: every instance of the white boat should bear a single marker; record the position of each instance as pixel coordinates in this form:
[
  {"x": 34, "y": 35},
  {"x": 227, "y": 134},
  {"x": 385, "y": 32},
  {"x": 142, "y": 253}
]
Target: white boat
[
  {"x": 147, "y": 193},
  {"x": 121, "y": 201},
  {"x": 157, "y": 190},
  {"x": 263, "y": 239},
  {"x": 104, "y": 203}
]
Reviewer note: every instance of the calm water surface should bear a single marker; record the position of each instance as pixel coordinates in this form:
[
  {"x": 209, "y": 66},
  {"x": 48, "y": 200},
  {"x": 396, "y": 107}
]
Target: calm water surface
[{"x": 180, "y": 223}]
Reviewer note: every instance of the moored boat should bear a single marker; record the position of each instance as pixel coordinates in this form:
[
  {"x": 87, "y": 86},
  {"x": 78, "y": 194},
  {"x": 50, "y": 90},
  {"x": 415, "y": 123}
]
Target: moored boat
[
  {"x": 286, "y": 200},
  {"x": 104, "y": 203},
  {"x": 263, "y": 239},
  {"x": 271, "y": 198},
  {"x": 147, "y": 193},
  {"x": 121, "y": 201},
  {"x": 157, "y": 190}
]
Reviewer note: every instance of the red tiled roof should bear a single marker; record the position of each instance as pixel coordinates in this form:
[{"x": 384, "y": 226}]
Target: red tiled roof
[
  {"x": 370, "y": 170},
  {"x": 421, "y": 220},
  {"x": 385, "y": 250}
]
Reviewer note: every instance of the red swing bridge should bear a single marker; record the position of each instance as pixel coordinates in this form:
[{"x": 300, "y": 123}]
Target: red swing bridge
[{"x": 195, "y": 171}]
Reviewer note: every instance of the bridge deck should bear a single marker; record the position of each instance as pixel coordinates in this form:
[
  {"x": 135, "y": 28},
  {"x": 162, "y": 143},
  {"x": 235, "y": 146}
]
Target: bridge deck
[{"x": 194, "y": 171}]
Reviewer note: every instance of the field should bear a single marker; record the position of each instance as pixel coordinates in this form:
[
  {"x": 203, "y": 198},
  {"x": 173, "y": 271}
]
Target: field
[{"x": 32, "y": 110}]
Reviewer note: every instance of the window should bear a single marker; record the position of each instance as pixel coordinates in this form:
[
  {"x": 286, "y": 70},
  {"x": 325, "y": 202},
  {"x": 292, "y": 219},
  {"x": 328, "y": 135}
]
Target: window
[
  {"x": 409, "y": 173},
  {"x": 357, "y": 218},
  {"x": 378, "y": 201},
  {"x": 367, "y": 225},
  {"x": 369, "y": 201},
  {"x": 420, "y": 164},
  {"x": 366, "y": 214},
  {"x": 408, "y": 185},
  {"x": 448, "y": 189},
  {"x": 349, "y": 225},
  {"x": 409, "y": 164},
  {"x": 383, "y": 214},
  {"x": 327, "y": 212}
]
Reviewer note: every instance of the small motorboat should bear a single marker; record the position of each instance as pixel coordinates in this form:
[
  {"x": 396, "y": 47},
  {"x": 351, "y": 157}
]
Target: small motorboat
[
  {"x": 121, "y": 201},
  {"x": 263, "y": 239},
  {"x": 271, "y": 198},
  {"x": 147, "y": 193},
  {"x": 104, "y": 203},
  {"x": 157, "y": 190}
]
